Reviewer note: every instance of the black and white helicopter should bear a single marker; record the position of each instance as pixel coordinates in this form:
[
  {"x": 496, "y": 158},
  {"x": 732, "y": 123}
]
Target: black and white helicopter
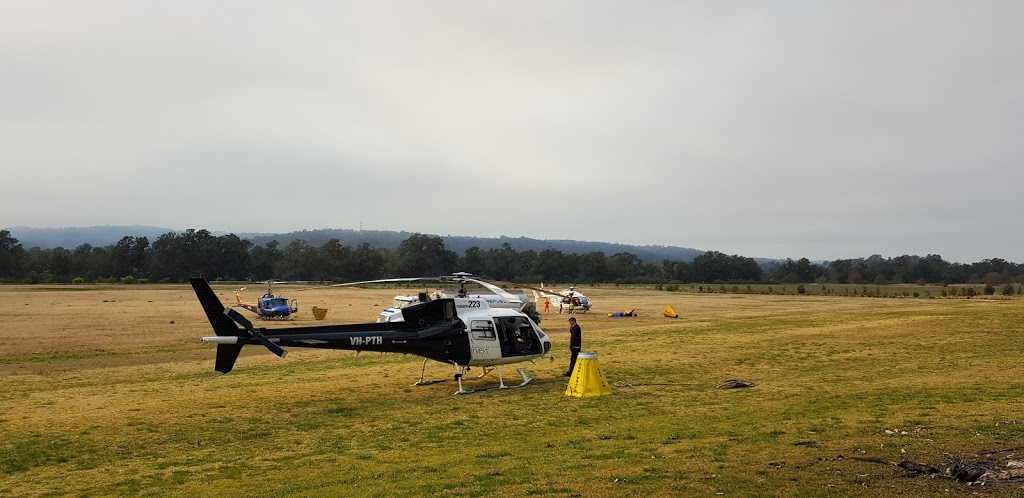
[{"x": 463, "y": 331}]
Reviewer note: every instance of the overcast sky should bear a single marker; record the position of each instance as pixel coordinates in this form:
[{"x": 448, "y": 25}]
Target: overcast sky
[{"x": 789, "y": 129}]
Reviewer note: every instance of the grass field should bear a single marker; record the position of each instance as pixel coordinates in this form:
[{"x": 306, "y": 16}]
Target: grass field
[{"x": 106, "y": 391}]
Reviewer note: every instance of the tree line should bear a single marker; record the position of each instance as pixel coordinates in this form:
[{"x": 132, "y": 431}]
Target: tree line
[{"x": 174, "y": 257}]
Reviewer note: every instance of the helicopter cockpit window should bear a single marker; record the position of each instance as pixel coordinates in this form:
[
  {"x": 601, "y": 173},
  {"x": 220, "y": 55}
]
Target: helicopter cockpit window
[
  {"x": 482, "y": 329},
  {"x": 401, "y": 302}
]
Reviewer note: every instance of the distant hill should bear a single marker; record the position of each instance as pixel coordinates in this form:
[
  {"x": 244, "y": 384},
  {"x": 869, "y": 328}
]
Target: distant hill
[
  {"x": 459, "y": 244},
  {"x": 100, "y": 236},
  {"x": 72, "y": 237}
]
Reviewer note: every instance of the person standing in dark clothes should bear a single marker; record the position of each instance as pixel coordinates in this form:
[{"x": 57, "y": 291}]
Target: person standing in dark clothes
[{"x": 575, "y": 343}]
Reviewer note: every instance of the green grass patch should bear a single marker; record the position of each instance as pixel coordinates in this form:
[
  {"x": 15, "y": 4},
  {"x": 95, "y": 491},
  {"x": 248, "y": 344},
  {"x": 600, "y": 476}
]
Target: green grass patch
[{"x": 898, "y": 379}]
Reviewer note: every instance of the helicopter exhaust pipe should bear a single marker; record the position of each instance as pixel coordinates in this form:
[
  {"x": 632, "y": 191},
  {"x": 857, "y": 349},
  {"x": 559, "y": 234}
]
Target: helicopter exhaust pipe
[{"x": 221, "y": 339}]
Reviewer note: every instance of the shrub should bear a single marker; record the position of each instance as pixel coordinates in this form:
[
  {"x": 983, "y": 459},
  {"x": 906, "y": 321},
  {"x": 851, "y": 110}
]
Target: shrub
[
  {"x": 78, "y": 280},
  {"x": 1008, "y": 290},
  {"x": 143, "y": 280},
  {"x": 800, "y": 289},
  {"x": 128, "y": 280},
  {"x": 672, "y": 287},
  {"x": 989, "y": 290}
]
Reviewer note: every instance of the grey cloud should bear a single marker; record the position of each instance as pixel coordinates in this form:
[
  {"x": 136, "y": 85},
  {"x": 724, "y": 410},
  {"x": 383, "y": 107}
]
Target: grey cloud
[{"x": 796, "y": 129}]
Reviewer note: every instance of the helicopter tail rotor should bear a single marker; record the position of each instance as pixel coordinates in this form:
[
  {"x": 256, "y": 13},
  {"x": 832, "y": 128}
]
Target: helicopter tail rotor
[
  {"x": 254, "y": 332},
  {"x": 228, "y": 334},
  {"x": 229, "y": 337}
]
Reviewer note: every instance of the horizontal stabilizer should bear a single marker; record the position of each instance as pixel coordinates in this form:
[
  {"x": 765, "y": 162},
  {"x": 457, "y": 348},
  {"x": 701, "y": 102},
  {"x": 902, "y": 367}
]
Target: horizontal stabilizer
[{"x": 226, "y": 356}]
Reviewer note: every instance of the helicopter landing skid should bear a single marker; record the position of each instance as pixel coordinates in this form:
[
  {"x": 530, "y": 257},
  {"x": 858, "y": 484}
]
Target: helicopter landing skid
[
  {"x": 461, "y": 370},
  {"x": 458, "y": 377},
  {"x": 424, "y": 382},
  {"x": 501, "y": 380}
]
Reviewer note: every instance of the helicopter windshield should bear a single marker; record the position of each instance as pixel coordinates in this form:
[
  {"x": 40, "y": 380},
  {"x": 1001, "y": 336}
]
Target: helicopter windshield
[
  {"x": 402, "y": 301},
  {"x": 517, "y": 335},
  {"x": 277, "y": 301}
]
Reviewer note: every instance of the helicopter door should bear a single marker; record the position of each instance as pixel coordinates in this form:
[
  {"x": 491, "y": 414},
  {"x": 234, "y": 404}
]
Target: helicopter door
[{"x": 483, "y": 342}]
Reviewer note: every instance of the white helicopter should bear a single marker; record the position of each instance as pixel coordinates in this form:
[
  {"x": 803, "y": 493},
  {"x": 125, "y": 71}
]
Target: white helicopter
[
  {"x": 568, "y": 299},
  {"x": 495, "y": 296},
  {"x": 463, "y": 331}
]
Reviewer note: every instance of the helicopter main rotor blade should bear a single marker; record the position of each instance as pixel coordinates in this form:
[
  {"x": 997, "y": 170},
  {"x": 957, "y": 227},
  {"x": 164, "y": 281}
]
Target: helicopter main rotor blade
[
  {"x": 497, "y": 290},
  {"x": 546, "y": 292},
  {"x": 379, "y": 281},
  {"x": 362, "y": 282}
]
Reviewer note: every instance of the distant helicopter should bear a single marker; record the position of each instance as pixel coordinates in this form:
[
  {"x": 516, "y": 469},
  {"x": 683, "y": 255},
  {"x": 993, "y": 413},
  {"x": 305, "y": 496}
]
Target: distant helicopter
[
  {"x": 578, "y": 300},
  {"x": 564, "y": 298},
  {"x": 461, "y": 331},
  {"x": 268, "y": 305}
]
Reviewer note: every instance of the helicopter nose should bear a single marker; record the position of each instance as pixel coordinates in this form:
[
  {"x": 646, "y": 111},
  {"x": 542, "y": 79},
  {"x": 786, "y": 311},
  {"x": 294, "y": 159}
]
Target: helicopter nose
[{"x": 547, "y": 347}]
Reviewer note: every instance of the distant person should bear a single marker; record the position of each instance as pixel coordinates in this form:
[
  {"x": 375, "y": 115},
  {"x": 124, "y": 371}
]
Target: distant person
[
  {"x": 547, "y": 305},
  {"x": 575, "y": 343}
]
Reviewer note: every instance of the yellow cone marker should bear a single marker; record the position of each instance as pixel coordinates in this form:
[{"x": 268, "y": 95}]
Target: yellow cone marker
[{"x": 587, "y": 378}]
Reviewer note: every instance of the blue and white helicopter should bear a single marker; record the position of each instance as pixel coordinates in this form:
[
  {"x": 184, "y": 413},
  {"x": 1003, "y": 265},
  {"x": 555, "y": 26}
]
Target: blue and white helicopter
[{"x": 268, "y": 306}]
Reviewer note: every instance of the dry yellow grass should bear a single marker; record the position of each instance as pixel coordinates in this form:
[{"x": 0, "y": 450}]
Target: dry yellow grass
[{"x": 106, "y": 391}]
